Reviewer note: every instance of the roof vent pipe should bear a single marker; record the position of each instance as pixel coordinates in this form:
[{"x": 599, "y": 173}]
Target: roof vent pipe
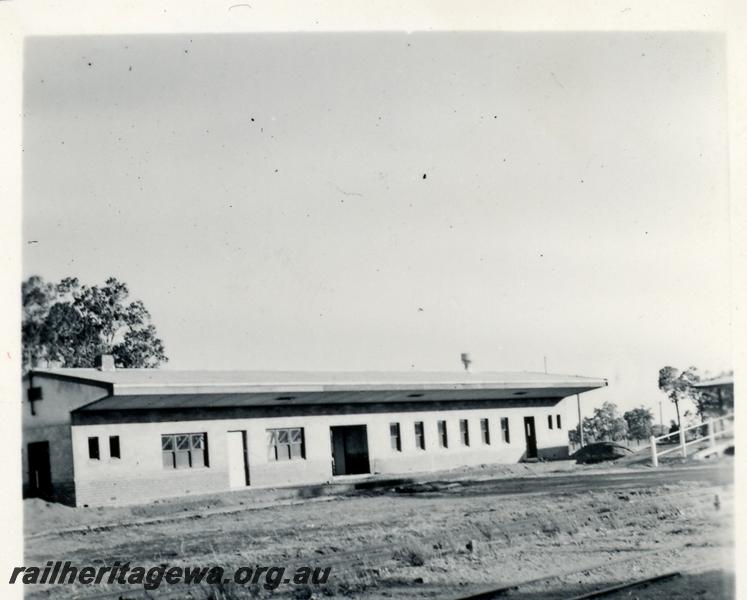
[{"x": 105, "y": 362}]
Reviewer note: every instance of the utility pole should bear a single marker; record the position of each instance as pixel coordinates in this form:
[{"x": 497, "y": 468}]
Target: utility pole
[{"x": 580, "y": 423}]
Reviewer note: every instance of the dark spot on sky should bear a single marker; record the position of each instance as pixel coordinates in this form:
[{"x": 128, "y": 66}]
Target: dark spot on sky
[
  {"x": 90, "y": 64},
  {"x": 495, "y": 116},
  {"x": 425, "y": 175},
  {"x": 252, "y": 119},
  {"x": 130, "y": 68},
  {"x": 276, "y": 170},
  {"x": 186, "y": 52}
]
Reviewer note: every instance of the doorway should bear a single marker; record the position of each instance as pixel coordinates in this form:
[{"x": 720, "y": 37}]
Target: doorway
[
  {"x": 40, "y": 474},
  {"x": 531, "y": 437},
  {"x": 238, "y": 460},
  {"x": 349, "y": 450}
]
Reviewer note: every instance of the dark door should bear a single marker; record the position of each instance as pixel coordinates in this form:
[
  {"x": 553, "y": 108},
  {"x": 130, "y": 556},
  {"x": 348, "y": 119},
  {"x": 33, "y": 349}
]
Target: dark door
[
  {"x": 349, "y": 450},
  {"x": 40, "y": 475},
  {"x": 530, "y": 437}
]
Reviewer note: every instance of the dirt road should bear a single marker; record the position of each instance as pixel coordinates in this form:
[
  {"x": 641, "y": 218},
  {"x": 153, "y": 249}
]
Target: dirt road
[
  {"x": 704, "y": 475},
  {"x": 431, "y": 539}
]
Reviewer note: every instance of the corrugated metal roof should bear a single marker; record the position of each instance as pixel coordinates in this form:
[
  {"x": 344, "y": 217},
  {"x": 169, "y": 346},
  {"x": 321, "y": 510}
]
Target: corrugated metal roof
[
  {"x": 218, "y": 399},
  {"x": 165, "y": 381}
]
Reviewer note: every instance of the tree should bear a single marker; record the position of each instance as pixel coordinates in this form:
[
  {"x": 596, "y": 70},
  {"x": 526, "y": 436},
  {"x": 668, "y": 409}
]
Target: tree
[
  {"x": 605, "y": 424},
  {"x": 640, "y": 423},
  {"x": 573, "y": 437},
  {"x": 678, "y": 386},
  {"x": 72, "y": 324}
]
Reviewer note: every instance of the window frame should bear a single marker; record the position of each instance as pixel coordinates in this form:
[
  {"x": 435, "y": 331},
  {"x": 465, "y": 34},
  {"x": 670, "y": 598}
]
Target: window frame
[
  {"x": 293, "y": 448},
  {"x": 183, "y": 447},
  {"x": 485, "y": 431},
  {"x": 505, "y": 430},
  {"x": 395, "y": 437},
  {"x": 114, "y": 441},
  {"x": 94, "y": 448},
  {"x": 443, "y": 433},
  {"x": 464, "y": 431},
  {"x": 419, "y": 428}
]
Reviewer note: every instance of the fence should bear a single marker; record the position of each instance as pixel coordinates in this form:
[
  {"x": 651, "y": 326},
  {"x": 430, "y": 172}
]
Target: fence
[{"x": 708, "y": 431}]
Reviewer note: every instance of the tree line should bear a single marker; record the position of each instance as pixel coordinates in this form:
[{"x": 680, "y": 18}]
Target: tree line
[{"x": 606, "y": 423}]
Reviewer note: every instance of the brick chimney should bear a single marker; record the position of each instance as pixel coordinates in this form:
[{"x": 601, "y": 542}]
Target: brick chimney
[{"x": 105, "y": 362}]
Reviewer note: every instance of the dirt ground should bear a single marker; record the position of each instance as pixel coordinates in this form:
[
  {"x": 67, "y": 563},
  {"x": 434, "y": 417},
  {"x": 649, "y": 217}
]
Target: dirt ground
[{"x": 447, "y": 537}]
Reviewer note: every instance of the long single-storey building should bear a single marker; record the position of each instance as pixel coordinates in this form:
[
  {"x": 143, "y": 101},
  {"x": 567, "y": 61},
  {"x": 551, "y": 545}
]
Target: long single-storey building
[{"x": 107, "y": 436}]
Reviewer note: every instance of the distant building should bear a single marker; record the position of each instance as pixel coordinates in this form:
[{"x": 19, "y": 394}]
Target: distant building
[
  {"x": 722, "y": 388},
  {"x": 120, "y": 436}
]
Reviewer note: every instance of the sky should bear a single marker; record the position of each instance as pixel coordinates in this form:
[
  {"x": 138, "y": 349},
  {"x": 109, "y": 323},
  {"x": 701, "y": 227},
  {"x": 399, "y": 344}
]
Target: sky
[{"x": 385, "y": 201}]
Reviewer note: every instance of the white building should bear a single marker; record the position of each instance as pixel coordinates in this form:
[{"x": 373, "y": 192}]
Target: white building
[{"x": 121, "y": 436}]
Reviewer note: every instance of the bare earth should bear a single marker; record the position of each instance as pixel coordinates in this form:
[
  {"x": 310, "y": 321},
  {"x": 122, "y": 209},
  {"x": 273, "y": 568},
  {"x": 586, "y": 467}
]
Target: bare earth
[{"x": 445, "y": 537}]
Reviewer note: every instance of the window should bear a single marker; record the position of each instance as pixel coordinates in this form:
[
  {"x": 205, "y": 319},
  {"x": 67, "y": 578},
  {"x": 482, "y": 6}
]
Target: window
[
  {"x": 395, "y": 437},
  {"x": 93, "y": 448},
  {"x": 443, "y": 436},
  {"x": 464, "y": 431},
  {"x": 419, "y": 435},
  {"x": 184, "y": 450},
  {"x": 504, "y": 430},
  {"x": 485, "y": 431},
  {"x": 558, "y": 420},
  {"x": 286, "y": 444},
  {"x": 549, "y": 421},
  {"x": 114, "y": 446}
]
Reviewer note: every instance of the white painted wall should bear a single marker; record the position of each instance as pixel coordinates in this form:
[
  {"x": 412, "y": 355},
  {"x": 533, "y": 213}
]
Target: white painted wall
[
  {"x": 139, "y": 475},
  {"x": 51, "y": 423}
]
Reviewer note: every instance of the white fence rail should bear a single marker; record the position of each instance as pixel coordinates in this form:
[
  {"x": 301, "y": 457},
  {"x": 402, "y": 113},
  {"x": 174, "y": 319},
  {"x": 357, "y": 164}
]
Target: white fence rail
[{"x": 709, "y": 431}]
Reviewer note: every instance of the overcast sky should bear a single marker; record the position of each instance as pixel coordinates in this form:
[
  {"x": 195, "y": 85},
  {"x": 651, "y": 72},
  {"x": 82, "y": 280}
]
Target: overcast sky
[{"x": 388, "y": 201}]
